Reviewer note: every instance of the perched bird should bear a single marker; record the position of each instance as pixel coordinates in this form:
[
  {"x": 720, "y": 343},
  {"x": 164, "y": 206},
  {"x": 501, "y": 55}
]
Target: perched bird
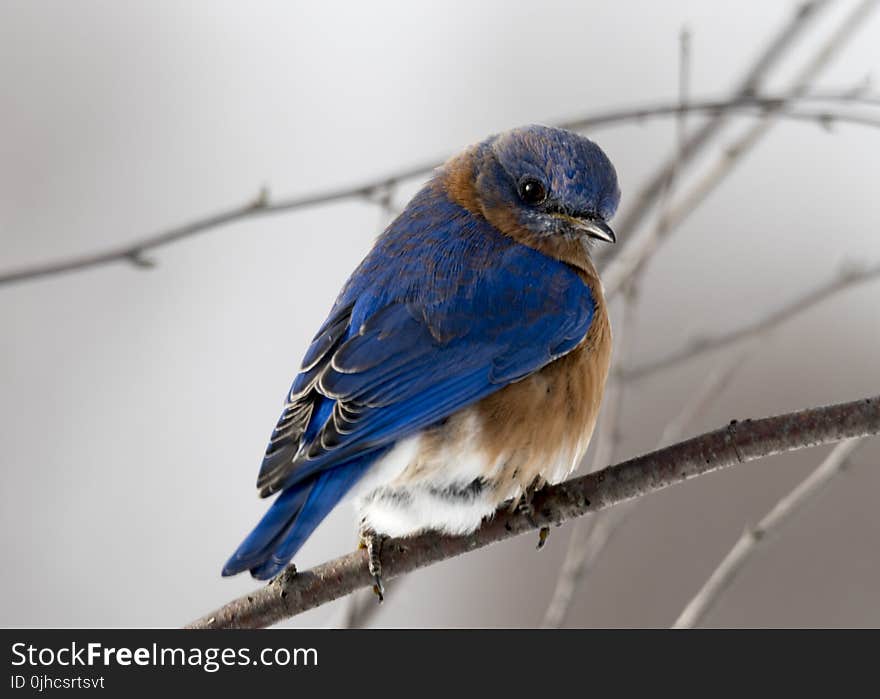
[{"x": 464, "y": 361}]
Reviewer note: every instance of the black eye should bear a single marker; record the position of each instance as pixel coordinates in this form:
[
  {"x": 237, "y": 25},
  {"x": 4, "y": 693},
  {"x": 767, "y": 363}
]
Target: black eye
[{"x": 532, "y": 192}]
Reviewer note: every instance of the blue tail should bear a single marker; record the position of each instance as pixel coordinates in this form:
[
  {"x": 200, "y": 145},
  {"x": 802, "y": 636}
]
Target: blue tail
[{"x": 292, "y": 518}]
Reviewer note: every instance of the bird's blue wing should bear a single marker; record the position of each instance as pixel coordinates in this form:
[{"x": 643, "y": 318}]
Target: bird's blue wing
[{"x": 382, "y": 368}]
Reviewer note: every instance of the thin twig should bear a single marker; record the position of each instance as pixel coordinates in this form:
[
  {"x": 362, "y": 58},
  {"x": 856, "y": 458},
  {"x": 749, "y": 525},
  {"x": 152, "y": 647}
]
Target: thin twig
[
  {"x": 588, "y": 538},
  {"x": 259, "y": 206},
  {"x": 714, "y": 385},
  {"x": 748, "y": 543},
  {"x": 640, "y": 249},
  {"x": 587, "y": 544},
  {"x": 813, "y": 107},
  {"x": 134, "y": 252},
  {"x": 684, "y": 91},
  {"x": 294, "y": 592},
  {"x": 849, "y": 277},
  {"x": 749, "y": 85}
]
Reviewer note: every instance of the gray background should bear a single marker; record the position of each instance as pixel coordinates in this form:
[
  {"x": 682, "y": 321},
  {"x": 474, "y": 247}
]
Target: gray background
[{"x": 135, "y": 405}]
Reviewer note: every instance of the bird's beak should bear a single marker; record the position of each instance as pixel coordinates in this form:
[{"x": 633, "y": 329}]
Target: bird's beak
[
  {"x": 598, "y": 229},
  {"x": 592, "y": 227}
]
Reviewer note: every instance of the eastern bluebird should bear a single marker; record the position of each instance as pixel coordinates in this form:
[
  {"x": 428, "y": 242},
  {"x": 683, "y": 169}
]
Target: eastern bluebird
[{"x": 464, "y": 361}]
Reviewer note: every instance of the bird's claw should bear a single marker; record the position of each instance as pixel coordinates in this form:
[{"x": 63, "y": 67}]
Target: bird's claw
[
  {"x": 378, "y": 588},
  {"x": 527, "y": 510},
  {"x": 372, "y": 542},
  {"x": 542, "y": 537}
]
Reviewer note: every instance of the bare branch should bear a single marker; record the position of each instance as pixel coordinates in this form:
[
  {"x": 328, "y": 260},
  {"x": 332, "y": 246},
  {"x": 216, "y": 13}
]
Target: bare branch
[
  {"x": 374, "y": 190},
  {"x": 747, "y": 545},
  {"x": 738, "y": 442},
  {"x": 684, "y": 91},
  {"x": 639, "y": 249},
  {"x": 592, "y": 535},
  {"x": 259, "y": 206},
  {"x": 849, "y": 277},
  {"x": 748, "y": 86},
  {"x": 711, "y": 389},
  {"x": 813, "y": 107},
  {"x": 588, "y": 539}
]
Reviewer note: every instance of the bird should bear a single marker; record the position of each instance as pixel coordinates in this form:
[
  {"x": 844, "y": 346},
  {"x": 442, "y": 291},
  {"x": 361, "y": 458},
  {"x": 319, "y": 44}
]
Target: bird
[{"x": 463, "y": 363}]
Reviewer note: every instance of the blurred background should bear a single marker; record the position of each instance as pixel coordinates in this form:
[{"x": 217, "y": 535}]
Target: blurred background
[{"x": 135, "y": 404}]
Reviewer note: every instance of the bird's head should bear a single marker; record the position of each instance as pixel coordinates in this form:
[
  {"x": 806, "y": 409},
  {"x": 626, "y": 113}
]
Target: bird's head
[{"x": 547, "y": 181}]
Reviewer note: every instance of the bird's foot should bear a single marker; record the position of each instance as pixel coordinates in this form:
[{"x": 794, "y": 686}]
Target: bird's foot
[
  {"x": 372, "y": 542},
  {"x": 527, "y": 510},
  {"x": 285, "y": 576}
]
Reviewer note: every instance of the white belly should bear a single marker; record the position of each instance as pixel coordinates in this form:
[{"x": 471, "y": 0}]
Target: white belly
[{"x": 443, "y": 481}]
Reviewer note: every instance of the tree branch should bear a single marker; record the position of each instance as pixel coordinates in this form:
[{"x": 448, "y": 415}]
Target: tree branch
[
  {"x": 260, "y": 206},
  {"x": 292, "y": 593},
  {"x": 820, "y": 106},
  {"x": 376, "y": 190},
  {"x": 748, "y": 86},
  {"x": 588, "y": 540},
  {"x": 848, "y": 278},
  {"x": 592, "y": 535},
  {"x": 729, "y": 568},
  {"x": 638, "y": 250}
]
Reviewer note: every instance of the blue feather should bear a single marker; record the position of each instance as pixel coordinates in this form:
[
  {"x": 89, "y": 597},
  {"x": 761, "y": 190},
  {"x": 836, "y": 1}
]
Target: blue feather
[{"x": 292, "y": 518}]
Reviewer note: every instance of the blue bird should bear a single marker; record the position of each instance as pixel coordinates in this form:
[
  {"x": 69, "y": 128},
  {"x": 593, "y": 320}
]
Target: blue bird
[{"x": 464, "y": 361}]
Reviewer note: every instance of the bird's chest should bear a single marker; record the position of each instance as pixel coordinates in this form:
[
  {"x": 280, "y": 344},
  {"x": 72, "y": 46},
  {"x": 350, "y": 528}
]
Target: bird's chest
[{"x": 539, "y": 428}]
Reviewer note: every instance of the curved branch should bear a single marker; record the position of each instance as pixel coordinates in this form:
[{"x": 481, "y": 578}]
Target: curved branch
[
  {"x": 848, "y": 278},
  {"x": 375, "y": 190},
  {"x": 292, "y": 592},
  {"x": 588, "y": 542},
  {"x": 638, "y": 250},
  {"x": 726, "y": 572},
  {"x": 260, "y": 206},
  {"x": 748, "y": 85}
]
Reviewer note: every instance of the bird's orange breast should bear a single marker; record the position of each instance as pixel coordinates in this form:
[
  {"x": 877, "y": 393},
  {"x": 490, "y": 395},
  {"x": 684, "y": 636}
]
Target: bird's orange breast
[{"x": 540, "y": 427}]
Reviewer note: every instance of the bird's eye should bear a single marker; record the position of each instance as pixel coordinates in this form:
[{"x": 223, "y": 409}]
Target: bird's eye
[{"x": 532, "y": 192}]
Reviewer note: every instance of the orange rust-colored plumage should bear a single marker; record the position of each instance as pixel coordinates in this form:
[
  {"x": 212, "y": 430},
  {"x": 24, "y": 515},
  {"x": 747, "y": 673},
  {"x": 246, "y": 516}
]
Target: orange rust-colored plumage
[{"x": 545, "y": 421}]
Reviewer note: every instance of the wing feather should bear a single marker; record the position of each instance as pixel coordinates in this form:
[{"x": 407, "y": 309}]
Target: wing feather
[{"x": 412, "y": 362}]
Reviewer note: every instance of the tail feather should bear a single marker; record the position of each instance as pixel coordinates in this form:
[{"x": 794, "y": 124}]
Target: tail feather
[
  {"x": 272, "y": 528},
  {"x": 292, "y": 518}
]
